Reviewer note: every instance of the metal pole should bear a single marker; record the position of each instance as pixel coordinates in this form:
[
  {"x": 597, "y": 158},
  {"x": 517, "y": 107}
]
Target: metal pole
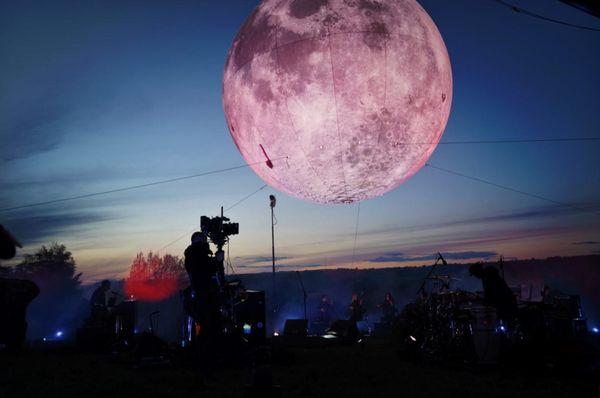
[
  {"x": 273, "y": 254},
  {"x": 272, "y": 203}
]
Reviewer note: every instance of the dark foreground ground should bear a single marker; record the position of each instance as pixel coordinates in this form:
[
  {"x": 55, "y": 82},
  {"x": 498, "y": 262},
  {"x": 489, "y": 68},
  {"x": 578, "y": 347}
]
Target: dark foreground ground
[{"x": 370, "y": 371}]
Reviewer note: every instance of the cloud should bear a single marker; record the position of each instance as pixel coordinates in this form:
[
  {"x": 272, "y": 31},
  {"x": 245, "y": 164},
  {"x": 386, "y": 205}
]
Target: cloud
[
  {"x": 465, "y": 245},
  {"x": 452, "y": 241},
  {"x": 538, "y": 212},
  {"x": 279, "y": 266},
  {"x": 390, "y": 258},
  {"x": 586, "y": 242},
  {"x": 30, "y": 229},
  {"x": 261, "y": 259},
  {"x": 105, "y": 268},
  {"x": 394, "y": 254},
  {"x": 37, "y": 115},
  {"x": 398, "y": 257},
  {"x": 71, "y": 178},
  {"x": 33, "y": 127},
  {"x": 283, "y": 266}
]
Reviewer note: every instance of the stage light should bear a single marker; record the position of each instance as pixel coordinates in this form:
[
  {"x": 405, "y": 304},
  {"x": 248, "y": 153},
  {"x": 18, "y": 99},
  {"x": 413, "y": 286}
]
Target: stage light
[
  {"x": 275, "y": 334},
  {"x": 247, "y": 328},
  {"x": 412, "y": 338},
  {"x": 595, "y": 330},
  {"x": 59, "y": 333}
]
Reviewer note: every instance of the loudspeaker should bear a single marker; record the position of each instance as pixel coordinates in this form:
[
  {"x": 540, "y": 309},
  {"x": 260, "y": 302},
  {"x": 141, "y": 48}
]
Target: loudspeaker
[
  {"x": 344, "y": 329},
  {"x": 295, "y": 328}
]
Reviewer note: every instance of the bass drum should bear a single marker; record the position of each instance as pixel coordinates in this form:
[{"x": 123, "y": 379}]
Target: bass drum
[{"x": 486, "y": 339}]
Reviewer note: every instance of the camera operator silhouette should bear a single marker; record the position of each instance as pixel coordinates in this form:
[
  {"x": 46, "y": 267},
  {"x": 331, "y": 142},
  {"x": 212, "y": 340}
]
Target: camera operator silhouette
[
  {"x": 201, "y": 268},
  {"x": 199, "y": 264}
]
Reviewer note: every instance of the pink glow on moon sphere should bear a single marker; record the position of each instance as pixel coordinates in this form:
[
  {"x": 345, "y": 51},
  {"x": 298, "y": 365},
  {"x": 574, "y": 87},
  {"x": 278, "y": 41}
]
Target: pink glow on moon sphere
[{"x": 355, "y": 93}]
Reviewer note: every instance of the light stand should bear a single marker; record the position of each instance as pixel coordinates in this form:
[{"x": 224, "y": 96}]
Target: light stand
[{"x": 273, "y": 202}]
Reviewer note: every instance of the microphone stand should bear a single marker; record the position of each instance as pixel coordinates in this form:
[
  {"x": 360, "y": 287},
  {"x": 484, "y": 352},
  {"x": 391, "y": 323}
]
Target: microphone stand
[
  {"x": 437, "y": 260},
  {"x": 151, "y": 321}
]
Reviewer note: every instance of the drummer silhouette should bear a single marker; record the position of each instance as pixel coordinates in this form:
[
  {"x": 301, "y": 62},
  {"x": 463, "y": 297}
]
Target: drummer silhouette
[{"x": 496, "y": 292}]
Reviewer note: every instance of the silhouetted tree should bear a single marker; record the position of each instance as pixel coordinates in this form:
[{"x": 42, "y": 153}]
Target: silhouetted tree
[
  {"x": 53, "y": 266},
  {"x": 59, "y": 304},
  {"x": 152, "y": 266},
  {"x": 153, "y": 278},
  {"x": 173, "y": 267},
  {"x": 139, "y": 267}
]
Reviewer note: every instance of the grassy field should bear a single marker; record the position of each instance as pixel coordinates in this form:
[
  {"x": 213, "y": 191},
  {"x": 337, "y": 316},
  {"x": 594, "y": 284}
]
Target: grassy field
[{"x": 370, "y": 371}]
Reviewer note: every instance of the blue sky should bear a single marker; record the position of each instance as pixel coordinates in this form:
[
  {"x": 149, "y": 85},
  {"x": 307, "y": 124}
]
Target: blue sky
[{"x": 98, "y": 95}]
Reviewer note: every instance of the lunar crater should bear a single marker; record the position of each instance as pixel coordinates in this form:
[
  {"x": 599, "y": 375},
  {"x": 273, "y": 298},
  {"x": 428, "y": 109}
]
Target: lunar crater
[{"x": 301, "y": 9}]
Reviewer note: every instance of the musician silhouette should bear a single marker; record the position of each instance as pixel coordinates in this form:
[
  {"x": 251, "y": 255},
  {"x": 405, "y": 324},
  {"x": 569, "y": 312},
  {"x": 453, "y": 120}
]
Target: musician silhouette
[
  {"x": 357, "y": 309},
  {"x": 496, "y": 292}
]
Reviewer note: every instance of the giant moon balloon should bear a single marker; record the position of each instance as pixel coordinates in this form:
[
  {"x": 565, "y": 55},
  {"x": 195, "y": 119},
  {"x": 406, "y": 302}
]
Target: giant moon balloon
[{"x": 346, "y": 98}]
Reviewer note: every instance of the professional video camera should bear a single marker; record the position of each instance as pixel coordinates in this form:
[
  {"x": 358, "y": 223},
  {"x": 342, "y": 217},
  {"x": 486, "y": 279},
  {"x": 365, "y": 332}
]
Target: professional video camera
[{"x": 218, "y": 229}]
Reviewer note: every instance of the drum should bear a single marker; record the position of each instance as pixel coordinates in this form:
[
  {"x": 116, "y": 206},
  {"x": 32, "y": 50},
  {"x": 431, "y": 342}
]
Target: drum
[{"x": 485, "y": 333}]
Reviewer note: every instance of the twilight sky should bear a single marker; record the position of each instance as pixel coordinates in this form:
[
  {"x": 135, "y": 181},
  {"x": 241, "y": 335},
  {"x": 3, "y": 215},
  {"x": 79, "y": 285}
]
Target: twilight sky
[{"x": 96, "y": 96}]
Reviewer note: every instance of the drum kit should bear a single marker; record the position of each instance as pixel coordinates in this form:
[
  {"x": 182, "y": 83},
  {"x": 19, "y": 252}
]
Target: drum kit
[{"x": 447, "y": 324}]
